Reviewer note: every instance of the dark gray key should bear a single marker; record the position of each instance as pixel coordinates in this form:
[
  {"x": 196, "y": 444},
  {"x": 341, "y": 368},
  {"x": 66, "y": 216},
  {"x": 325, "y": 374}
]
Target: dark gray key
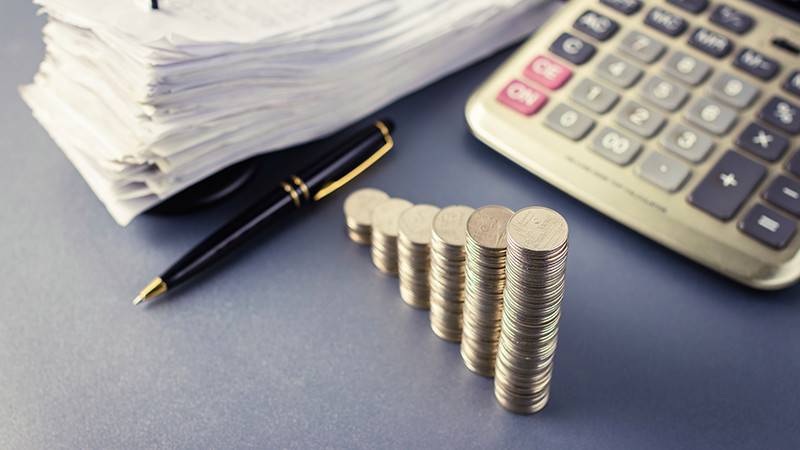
[
  {"x": 733, "y": 20},
  {"x": 756, "y": 64},
  {"x": 642, "y": 47},
  {"x": 573, "y": 49},
  {"x": 596, "y": 25},
  {"x": 665, "y": 172},
  {"x": 762, "y": 142},
  {"x": 793, "y": 165},
  {"x": 663, "y": 94},
  {"x": 665, "y": 21},
  {"x": 640, "y": 119},
  {"x": 711, "y": 116},
  {"x": 784, "y": 193},
  {"x": 615, "y": 146},
  {"x": 569, "y": 122},
  {"x": 594, "y": 96},
  {"x": 626, "y": 7},
  {"x": 693, "y": 6},
  {"x": 727, "y": 185},
  {"x": 781, "y": 113},
  {"x": 618, "y": 71},
  {"x": 711, "y": 42},
  {"x": 733, "y": 90},
  {"x": 792, "y": 83},
  {"x": 687, "y": 143},
  {"x": 768, "y": 226},
  {"x": 686, "y": 68}
]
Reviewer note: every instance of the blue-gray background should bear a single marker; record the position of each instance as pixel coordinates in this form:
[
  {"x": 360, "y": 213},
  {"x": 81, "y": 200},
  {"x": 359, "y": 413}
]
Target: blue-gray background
[{"x": 300, "y": 342}]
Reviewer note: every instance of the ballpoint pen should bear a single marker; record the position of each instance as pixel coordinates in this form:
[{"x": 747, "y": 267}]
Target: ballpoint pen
[{"x": 311, "y": 184}]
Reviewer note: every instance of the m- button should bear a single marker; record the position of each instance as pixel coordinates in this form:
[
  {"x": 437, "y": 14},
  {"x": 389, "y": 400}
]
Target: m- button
[{"x": 547, "y": 72}]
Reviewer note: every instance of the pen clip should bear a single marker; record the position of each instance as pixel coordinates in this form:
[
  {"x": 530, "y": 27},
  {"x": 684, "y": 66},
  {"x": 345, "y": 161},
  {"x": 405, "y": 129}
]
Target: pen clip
[{"x": 334, "y": 185}]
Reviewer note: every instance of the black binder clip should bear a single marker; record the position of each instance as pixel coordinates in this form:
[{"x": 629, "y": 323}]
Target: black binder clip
[{"x": 154, "y": 4}]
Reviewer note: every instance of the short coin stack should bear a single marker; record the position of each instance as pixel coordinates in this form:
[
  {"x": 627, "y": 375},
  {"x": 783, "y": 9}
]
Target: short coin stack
[
  {"x": 414, "y": 256},
  {"x": 535, "y": 274},
  {"x": 358, "y": 208},
  {"x": 385, "y": 228},
  {"x": 448, "y": 237},
  {"x": 485, "y": 279}
]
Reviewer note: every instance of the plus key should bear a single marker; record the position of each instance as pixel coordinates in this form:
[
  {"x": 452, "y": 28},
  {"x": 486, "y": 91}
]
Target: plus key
[{"x": 727, "y": 185}]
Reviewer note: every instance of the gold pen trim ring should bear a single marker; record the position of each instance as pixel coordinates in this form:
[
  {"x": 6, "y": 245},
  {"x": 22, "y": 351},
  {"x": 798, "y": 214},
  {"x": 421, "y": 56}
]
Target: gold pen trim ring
[
  {"x": 290, "y": 190},
  {"x": 302, "y": 185}
]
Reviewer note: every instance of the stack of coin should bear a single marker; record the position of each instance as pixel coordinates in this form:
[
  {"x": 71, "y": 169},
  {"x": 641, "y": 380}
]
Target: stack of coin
[
  {"x": 414, "y": 255},
  {"x": 358, "y": 208},
  {"x": 485, "y": 278},
  {"x": 448, "y": 237},
  {"x": 385, "y": 227},
  {"x": 535, "y": 272}
]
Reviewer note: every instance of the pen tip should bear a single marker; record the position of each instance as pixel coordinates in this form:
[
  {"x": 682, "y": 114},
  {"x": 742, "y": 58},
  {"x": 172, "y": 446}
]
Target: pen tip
[{"x": 154, "y": 289}]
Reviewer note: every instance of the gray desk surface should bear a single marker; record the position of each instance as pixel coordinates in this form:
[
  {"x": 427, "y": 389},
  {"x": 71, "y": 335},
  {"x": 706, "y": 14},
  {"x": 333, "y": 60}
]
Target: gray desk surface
[{"x": 300, "y": 342}]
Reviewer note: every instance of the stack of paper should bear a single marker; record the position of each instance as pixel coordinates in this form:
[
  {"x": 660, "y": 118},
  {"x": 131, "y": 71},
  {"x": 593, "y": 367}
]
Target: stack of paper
[{"x": 147, "y": 102}]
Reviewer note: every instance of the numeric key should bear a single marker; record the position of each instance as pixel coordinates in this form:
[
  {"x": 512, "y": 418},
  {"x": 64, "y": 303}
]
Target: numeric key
[
  {"x": 640, "y": 119},
  {"x": 569, "y": 122}
]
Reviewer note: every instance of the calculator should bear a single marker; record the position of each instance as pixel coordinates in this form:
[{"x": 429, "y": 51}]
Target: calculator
[{"x": 679, "y": 119}]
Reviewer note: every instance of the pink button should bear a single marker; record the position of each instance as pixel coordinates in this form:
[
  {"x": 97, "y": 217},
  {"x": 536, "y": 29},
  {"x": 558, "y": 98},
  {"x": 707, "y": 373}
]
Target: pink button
[
  {"x": 547, "y": 72},
  {"x": 522, "y": 97}
]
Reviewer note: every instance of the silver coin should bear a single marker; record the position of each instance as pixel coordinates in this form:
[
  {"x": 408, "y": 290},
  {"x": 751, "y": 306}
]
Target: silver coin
[
  {"x": 358, "y": 207},
  {"x": 385, "y": 228},
  {"x": 413, "y": 246}
]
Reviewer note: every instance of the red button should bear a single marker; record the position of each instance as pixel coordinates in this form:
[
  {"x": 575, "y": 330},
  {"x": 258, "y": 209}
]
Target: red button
[
  {"x": 547, "y": 72},
  {"x": 522, "y": 97}
]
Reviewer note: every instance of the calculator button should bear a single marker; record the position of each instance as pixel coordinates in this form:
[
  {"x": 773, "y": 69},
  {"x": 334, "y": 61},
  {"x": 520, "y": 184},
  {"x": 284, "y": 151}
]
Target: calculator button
[
  {"x": 792, "y": 83},
  {"x": 784, "y": 193},
  {"x": 756, "y": 64},
  {"x": 573, "y": 49},
  {"x": 686, "y": 68},
  {"x": 711, "y": 116},
  {"x": 727, "y": 185},
  {"x": 768, "y": 226},
  {"x": 693, "y": 6},
  {"x": 733, "y": 91},
  {"x": 547, "y": 72},
  {"x": 665, "y": 22},
  {"x": 687, "y": 143},
  {"x": 596, "y": 25},
  {"x": 793, "y": 165},
  {"x": 618, "y": 71},
  {"x": 782, "y": 114},
  {"x": 626, "y": 7},
  {"x": 642, "y": 47},
  {"x": 594, "y": 96},
  {"x": 733, "y": 20},
  {"x": 663, "y": 171},
  {"x": 640, "y": 119},
  {"x": 664, "y": 94},
  {"x": 522, "y": 97},
  {"x": 710, "y": 42},
  {"x": 569, "y": 122},
  {"x": 762, "y": 142},
  {"x": 615, "y": 146}
]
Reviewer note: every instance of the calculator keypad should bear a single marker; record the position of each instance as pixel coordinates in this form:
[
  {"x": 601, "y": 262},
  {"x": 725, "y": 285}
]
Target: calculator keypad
[{"x": 679, "y": 101}]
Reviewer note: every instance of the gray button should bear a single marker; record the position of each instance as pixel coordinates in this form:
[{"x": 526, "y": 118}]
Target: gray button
[
  {"x": 594, "y": 96},
  {"x": 665, "y": 172},
  {"x": 733, "y": 90},
  {"x": 711, "y": 116},
  {"x": 642, "y": 47},
  {"x": 569, "y": 122},
  {"x": 615, "y": 146},
  {"x": 664, "y": 94},
  {"x": 687, "y": 143},
  {"x": 640, "y": 119},
  {"x": 618, "y": 71},
  {"x": 686, "y": 68}
]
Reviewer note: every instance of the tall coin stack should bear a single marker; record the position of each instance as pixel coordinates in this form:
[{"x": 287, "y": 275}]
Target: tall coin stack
[
  {"x": 385, "y": 225},
  {"x": 414, "y": 255},
  {"x": 485, "y": 278},
  {"x": 358, "y": 207},
  {"x": 448, "y": 237},
  {"x": 535, "y": 274}
]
